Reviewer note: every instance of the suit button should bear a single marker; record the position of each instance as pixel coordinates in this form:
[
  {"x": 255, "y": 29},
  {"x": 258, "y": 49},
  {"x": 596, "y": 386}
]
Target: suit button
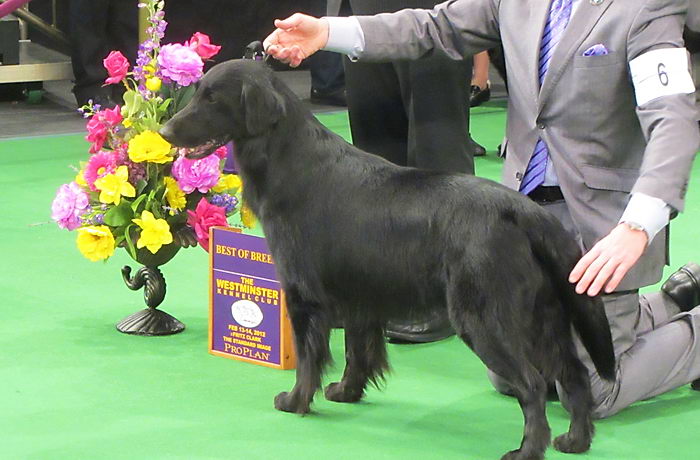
[
  {"x": 518, "y": 176},
  {"x": 541, "y": 126}
]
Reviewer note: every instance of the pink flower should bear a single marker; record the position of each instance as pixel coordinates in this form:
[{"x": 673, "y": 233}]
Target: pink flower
[
  {"x": 180, "y": 64},
  {"x": 221, "y": 152},
  {"x": 70, "y": 203},
  {"x": 117, "y": 67},
  {"x": 97, "y": 133},
  {"x": 201, "y": 44},
  {"x": 111, "y": 117},
  {"x": 205, "y": 216},
  {"x": 201, "y": 174},
  {"x": 98, "y": 166}
]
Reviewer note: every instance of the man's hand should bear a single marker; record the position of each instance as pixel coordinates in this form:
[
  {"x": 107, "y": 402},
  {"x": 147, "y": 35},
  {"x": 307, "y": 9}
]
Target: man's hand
[
  {"x": 609, "y": 260},
  {"x": 296, "y": 38}
]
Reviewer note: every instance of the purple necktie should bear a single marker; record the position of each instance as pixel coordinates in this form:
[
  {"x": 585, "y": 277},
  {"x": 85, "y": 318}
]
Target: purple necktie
[{"x": 559, "y": 15}]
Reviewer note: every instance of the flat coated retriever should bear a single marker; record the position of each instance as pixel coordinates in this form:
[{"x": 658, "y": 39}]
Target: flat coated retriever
[{"x": 359, "y": 240}]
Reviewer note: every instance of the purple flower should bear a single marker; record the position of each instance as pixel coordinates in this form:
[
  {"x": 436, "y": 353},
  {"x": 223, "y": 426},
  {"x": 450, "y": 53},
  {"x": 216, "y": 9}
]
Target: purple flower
[
  {"x": 180, "y": 64},
  {"x": 70, "y": 203},
  {"x": 201, "y": 174},
  {"x": 224, "y": 200}
]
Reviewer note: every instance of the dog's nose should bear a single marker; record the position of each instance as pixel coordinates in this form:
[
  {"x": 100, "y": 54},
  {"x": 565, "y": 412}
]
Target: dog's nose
[{"x": 166, "y": 132}]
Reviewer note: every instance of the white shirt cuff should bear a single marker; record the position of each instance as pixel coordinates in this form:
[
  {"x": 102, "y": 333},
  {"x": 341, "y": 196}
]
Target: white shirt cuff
[
  {"x": 649, "y": 212},
  {"x": 345, "y": 36}
]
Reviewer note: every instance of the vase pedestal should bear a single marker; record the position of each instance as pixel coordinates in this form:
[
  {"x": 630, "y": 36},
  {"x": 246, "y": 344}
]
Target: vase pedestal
[{"x": 149, "y": 321}]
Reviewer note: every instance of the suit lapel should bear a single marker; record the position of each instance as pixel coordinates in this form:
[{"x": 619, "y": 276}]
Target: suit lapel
[{"x": 580, "y": 26}]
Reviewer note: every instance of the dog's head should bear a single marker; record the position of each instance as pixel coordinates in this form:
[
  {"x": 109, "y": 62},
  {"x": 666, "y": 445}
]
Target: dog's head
[{"x": 235, "y": 100}]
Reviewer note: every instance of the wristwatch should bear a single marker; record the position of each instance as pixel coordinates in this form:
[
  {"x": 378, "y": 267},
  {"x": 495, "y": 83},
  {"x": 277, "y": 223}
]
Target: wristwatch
[{"x": 634, "y": 226}]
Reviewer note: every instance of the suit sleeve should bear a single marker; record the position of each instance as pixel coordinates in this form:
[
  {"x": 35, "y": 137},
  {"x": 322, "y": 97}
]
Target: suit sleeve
[
  {"x": 669, "y": 122},
  {"x": 456, "y": 28}
]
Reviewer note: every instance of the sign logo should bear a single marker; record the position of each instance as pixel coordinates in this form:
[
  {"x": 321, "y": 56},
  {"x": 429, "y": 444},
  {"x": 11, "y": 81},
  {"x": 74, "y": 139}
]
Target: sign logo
[{"x": 246, "y": 313}]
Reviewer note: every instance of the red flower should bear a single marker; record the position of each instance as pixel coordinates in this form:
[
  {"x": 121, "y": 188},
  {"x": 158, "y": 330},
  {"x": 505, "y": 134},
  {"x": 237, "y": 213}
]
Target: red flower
[
  {"x": 117, "y": 67},
  {"x": 201, "y": 45},
  {"x": 205, "y": 216},
  {"x": 221, "y": 152},
  {"x": 97, "y": 134}
]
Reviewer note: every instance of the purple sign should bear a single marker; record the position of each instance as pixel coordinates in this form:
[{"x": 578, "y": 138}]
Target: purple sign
[{"x": 248, "y": 319}]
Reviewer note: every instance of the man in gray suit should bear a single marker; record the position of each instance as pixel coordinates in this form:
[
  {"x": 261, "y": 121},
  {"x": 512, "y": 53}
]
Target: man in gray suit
[{"x": 602, "y": 131}]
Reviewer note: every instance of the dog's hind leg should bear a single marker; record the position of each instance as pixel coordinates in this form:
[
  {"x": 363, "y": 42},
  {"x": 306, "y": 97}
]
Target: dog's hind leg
[
  {"x": 311, "y": 333},
  {"x": 366, "y": 361},
  {"x": 577, "y": 388},
  {"x": 530, "y": 388}
]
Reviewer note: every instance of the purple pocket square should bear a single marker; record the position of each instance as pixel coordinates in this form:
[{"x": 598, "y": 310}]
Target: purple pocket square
[{"x": 596, "y": 50}]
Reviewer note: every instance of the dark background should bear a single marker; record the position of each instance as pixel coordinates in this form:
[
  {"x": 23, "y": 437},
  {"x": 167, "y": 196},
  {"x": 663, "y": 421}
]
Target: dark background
[{"x": 230, "y": 23}]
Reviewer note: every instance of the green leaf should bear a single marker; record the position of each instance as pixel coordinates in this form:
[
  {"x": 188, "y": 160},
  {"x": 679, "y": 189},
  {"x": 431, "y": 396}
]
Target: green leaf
[
  {"x": 130, "y": 244},
  {"x": 140, "y": 185},
  {"x": 136, "y": 203},
  {"x": 119, "y": 215}
]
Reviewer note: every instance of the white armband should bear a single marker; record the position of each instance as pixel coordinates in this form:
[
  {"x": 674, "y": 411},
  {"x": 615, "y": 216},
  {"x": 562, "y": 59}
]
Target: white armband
[{"x": 661, "y": 73}]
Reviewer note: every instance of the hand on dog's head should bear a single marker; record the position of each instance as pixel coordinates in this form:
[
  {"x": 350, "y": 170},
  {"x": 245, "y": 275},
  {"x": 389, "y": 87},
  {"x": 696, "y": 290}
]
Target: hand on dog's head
[{"x": 235, "y": 100}]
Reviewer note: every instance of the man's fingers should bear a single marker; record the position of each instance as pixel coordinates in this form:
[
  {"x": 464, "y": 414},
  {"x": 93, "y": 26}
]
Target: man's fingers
[
  {"x": 620, "y": 273},
  {"x": 582, "y": 265},
  {"x": 602, "y": 277},
  {"x": 289, "y": 23},
  {"x": 590, "y": 274}
]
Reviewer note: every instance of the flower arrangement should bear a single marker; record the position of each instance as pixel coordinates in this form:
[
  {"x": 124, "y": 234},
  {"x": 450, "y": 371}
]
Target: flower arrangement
[{"x": 135, "y": 190}]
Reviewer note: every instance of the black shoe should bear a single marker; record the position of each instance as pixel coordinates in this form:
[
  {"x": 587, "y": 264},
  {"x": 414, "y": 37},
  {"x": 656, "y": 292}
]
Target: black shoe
[
  {"x": 431, "y": 327},
  {"x": 684, "y": 286},
  {"x": 478, "y": 95},
  {"x": 336, "y": 97},
  {"x": 479, "y": 150},
  {"x": 695, "y": 385}
]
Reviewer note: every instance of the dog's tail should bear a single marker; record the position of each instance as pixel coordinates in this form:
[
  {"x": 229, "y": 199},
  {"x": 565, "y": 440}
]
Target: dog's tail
[{"x": 558, "y": 253}]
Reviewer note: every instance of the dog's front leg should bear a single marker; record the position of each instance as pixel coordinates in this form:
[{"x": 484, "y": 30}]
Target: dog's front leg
[{"x": 311, "y": 333}]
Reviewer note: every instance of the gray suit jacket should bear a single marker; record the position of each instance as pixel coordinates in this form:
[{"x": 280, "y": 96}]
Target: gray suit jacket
[
  {"x": 693, "y": 20},
  {"x": 602, "y": 145}
]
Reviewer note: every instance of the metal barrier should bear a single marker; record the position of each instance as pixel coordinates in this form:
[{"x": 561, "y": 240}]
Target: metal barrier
[{"x": 36, "y": 63}]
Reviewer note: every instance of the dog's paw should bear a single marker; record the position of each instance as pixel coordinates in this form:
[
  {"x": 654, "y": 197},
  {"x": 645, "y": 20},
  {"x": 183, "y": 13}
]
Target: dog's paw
[
  {"x": 520, "y": 455},
  {"x": 338, "y": 392},
  {"x": 287, "y": 403},
  {"x": 571, "y": 445}
]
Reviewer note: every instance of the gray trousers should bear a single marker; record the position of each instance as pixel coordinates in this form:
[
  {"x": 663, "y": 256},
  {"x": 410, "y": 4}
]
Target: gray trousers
[{"x": 657, "y": 347}]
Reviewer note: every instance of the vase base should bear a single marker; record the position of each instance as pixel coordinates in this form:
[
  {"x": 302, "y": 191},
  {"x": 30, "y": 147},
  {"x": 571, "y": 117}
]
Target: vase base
[{"x": 150, "y": 321}]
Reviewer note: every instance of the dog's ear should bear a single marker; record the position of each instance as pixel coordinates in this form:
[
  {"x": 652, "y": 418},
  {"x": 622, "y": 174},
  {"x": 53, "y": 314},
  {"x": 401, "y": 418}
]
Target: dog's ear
[{"x": 263, "y": 106}]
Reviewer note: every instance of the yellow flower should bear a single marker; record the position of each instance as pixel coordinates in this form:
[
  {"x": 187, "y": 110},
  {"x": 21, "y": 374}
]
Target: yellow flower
[
  {"x": 154, "y": 232},
  {"x": 113, "y": 186},
  {"x": 95, "y": 242},
  {"x": 127, "y": 123},
  {"x": 174, "y": 195},
  {"x": 153, "y": 84},
  {"x": 80, "y": 178},
  {"x": 227, "y": 182},
  {"x": 247, "y": 217},
  {"x": 149, "y": 146},
  {"x": 149, "y": 69}
]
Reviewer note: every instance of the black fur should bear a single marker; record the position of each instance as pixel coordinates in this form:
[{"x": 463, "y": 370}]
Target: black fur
[{"x": 359, "y": 240}]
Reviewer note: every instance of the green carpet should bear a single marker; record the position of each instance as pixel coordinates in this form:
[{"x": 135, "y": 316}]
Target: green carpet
[{"x": 74, "y": 388}]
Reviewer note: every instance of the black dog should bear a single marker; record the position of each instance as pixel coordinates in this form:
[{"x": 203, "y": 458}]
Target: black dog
[{"x": 357, "y": 239}]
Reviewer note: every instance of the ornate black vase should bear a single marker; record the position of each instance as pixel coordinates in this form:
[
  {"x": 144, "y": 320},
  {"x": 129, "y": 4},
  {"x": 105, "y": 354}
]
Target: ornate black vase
[{"x": 151, "y": 321}]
